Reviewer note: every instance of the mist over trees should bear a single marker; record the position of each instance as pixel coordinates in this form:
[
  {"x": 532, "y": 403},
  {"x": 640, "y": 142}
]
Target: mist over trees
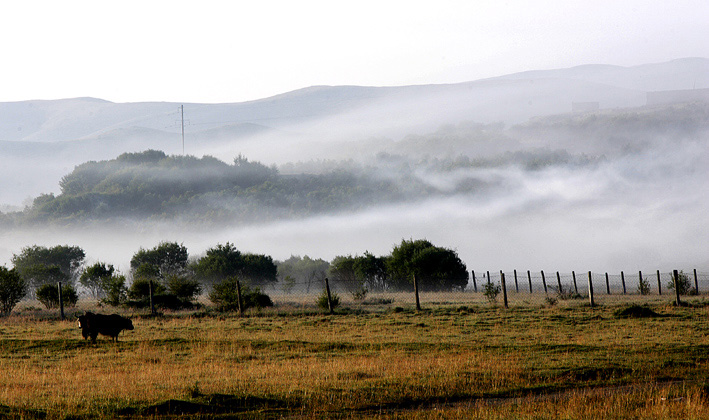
[
  {"x": 462, "y": 180},
  {"x": 455, "y": 160}
]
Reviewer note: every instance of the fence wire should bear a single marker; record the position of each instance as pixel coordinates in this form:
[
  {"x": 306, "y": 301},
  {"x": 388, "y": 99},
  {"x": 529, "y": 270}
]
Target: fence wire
[{"x": 522, "y": 288}]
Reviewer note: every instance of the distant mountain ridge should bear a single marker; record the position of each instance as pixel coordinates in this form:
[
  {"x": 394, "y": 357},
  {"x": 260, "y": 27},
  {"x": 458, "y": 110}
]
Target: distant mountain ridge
[{"x": 81, "y": 118}]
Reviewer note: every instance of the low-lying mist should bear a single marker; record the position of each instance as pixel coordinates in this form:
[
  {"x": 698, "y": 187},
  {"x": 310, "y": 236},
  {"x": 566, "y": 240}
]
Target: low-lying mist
[{"x": 604, "y": 191}]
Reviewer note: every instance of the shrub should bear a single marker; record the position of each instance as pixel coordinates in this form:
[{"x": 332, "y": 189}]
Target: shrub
[
  {"x": 179, "y": 294},
  {"x": 684, "y": 285},
  {"x": 491, "y": 291},
  {"x": 12, "y": 289},
  {"x": 256, "y": 299},
  {"x": 568, "y": 295},
  {"x": 115, "y": 288},
  {"x": 644, "y": 286},
  {"x": 334, "y": 299},
  {"x": 360, "y": 294},
  {"x": 48, "y": 295},
  {"x": 183, "y": 287},
  {"x": 140, "y": 289},
  {"x": 225, "y": 296}
]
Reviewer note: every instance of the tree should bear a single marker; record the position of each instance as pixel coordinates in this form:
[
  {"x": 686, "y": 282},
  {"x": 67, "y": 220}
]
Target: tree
[
  {"x": 224, "y": 261},
  {"x": 45, "y": 275},
  {"x": 372, "y": 271},
  {"x": 342, "y": 273},
  {"x": 166, "y": 258},
  {"x": 305, "y": 270},
  {"x": 259, "y": 269},
  {"x": 219, "y": 263},
  {"x": 359, "y": 274},
  {"x": 166, "y": 266},
  {"x": 96, "y": 279},
  {"x": 35, "y": 264},
  {"x": 12, "y": 289},
  {"x": 115, "y": 290},
  {"x": 437, "y": 269}
]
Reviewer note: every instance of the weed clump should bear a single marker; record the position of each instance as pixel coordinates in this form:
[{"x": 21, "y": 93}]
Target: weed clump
[{"x": 323, "y": 301}]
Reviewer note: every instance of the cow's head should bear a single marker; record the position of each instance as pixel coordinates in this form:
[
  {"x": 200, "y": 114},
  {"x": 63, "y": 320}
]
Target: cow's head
[
  {"x": 129, "y": 324},
  {"x": 84, "y": 320}
]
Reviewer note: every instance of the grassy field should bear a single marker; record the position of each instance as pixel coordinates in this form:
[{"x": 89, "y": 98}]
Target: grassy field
[{"x": 446, "y": 362}]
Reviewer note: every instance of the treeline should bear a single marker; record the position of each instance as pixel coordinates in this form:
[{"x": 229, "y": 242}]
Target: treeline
[
  {"x": 174, "y": 280},
  {"x": 152, "y": 185}
]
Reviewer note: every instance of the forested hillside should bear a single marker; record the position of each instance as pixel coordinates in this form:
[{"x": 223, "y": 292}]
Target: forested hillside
[{"x": 152, "y": 185}]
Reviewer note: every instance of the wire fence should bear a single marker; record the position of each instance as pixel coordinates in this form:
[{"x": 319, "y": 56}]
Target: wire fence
[
  {"x": 509, "y": 289},
  {"x": 520, "y": 288}
]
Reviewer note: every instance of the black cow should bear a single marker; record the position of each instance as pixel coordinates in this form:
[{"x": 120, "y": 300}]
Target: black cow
[{"x": 109, "y": 325}]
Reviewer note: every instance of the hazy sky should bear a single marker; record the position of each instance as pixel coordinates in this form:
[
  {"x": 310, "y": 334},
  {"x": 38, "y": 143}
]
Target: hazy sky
[{"x": 230, "y": 51}]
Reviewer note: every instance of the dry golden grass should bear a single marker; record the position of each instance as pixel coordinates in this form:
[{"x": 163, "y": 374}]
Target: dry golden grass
[{"x": 474, "y": 362}]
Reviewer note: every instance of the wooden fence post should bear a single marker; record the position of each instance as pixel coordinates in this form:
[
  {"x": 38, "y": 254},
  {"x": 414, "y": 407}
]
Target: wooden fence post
[
  {"x": 150, "y": 293},
  {"x": 475, "y": 284},
  {"x": 544, "y": 282},
  {"x": 622, "y": 280},
  {"x": 61, "y": 301},
  {"x": 329, "y": 296},
  {"x": 416, "y": 291},
  {"x": 504, "y": 288},
  {"x": 590, "y": 289},
  {"x": 696, "y": 284},
  {"x": 558, "y": 280},
  {"x": 659, "y": 284},
  {"x": 517, "y": 285},
  {"x": 240, "y": 302},
  {"x": 675, "y": 276},
  {"x": 529, "y": 277},
  {"x": 488, "y": 277},
  {"x": 576, "y": 289},
  {"x": 640, "y": 280},
  {"x": 608, "y": 285}
]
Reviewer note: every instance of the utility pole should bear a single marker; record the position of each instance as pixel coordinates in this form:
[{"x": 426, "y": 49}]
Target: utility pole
[{"x": 182, "y": 115}]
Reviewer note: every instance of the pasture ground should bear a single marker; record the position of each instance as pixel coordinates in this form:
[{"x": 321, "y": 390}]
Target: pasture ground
[{"x": 446, "y": 362}]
